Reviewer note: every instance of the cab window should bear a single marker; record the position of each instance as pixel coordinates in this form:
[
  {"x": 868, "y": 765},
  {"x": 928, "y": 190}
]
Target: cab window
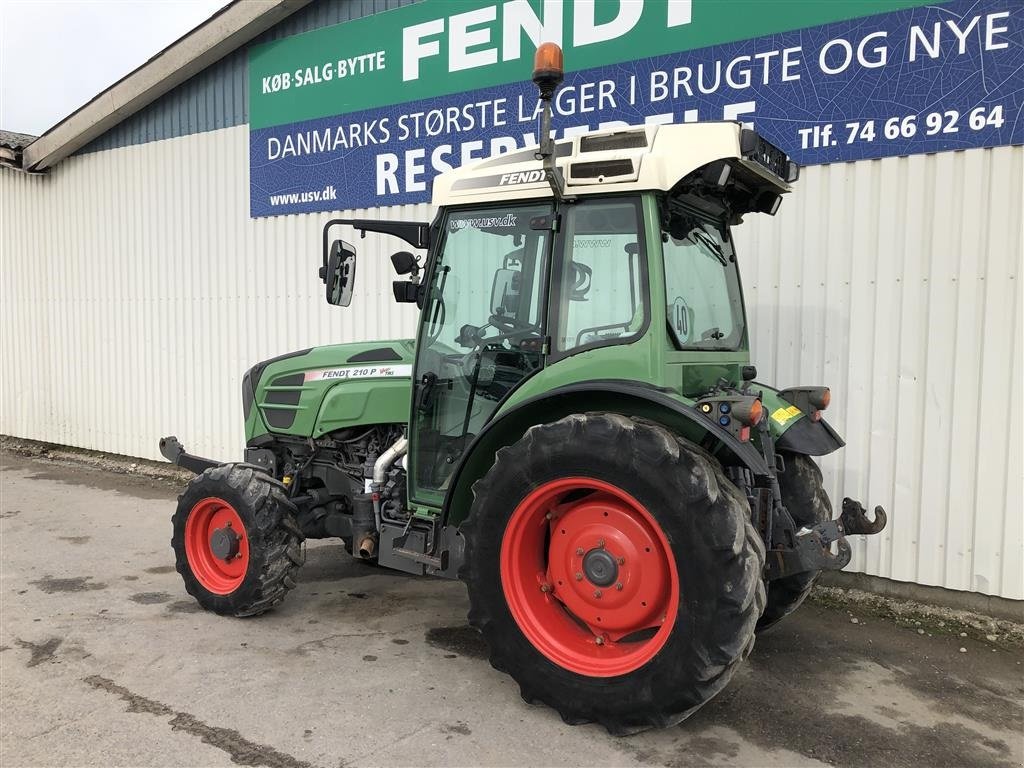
[
  {"x": 704, "y": 305},
  {"x": 601, "y": 275}
]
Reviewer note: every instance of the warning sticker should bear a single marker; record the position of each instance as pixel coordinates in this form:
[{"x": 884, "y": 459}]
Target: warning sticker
[
  {"x": 368, "y": 372},
  {"x": 782, "y": 415}
]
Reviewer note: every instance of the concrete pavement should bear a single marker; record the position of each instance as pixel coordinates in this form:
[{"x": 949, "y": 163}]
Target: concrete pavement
[{"x": 105, "y": 661}]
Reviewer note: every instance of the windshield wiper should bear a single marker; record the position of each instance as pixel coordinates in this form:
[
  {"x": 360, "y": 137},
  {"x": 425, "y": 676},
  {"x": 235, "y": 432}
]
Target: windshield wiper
[{"x": 700, "y": 237}]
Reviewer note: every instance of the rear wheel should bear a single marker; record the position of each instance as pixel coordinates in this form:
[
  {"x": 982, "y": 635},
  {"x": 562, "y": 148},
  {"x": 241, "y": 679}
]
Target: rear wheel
[
  {"x": 803, "y": 495},
  {"x": 236, "y": 543},
  {"x": 613, "y": 571}
]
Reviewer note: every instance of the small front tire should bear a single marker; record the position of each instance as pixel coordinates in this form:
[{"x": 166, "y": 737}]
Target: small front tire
[{"x": 236, "y": 543}]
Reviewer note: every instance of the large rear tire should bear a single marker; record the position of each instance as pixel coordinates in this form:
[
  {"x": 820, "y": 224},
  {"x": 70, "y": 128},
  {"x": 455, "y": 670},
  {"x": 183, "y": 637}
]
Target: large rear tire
[
  {"x": 613, "y": 571},
  {"x": 236, "y": 543},
  {"x": 803, "y": 495}
]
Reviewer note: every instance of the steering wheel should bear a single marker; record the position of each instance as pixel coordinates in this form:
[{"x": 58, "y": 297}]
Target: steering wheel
[{"x": 508, "y": 328}]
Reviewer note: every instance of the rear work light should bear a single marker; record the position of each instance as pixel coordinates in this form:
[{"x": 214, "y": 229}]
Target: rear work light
[
  {"x": 810, "y": 400},
  {"x": 735, "y": 413},
  {"x": 750, "y": 411},
  {"x": 754, "y": 147}
]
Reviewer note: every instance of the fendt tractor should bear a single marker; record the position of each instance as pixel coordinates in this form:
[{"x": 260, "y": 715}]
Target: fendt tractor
[{"x": 575, "y": 432}]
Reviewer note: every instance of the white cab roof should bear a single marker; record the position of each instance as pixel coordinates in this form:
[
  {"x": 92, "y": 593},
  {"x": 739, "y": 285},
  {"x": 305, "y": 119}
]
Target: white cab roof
[{"x": 653, "y": 157}]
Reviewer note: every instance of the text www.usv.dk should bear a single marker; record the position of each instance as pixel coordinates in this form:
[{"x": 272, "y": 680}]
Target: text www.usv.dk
[{"x": 327, "y": 193}]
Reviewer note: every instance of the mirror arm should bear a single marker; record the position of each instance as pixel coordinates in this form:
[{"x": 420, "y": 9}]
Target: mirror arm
[{"x": 416, "y": 233}]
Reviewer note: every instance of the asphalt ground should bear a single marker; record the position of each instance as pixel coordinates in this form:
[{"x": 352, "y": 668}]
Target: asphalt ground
[{"x": 106, "y": 661}]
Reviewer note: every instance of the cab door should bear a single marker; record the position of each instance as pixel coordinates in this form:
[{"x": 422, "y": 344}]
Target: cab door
[{"x": 482, "y": 331}]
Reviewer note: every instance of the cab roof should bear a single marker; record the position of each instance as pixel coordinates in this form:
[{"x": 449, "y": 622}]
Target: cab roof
[{"x": 653, "y": 157}]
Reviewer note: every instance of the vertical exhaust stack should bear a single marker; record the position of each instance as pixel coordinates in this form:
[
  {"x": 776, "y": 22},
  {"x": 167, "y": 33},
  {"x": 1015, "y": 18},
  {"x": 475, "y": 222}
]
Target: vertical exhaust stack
[{"x": 548, "y": 73}]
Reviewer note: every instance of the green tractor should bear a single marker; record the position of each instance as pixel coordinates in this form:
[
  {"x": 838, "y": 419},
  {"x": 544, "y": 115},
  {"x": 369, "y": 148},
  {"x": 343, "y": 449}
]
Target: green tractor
[{"x": 575, "y": 431}]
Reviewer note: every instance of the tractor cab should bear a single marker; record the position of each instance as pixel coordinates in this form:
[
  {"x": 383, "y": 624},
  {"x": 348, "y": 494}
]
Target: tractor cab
[{"x": 615, "y": 263}]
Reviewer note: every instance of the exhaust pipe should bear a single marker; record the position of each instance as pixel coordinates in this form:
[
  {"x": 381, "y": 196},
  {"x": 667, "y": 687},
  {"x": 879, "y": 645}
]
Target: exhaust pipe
[
  {"x": 380, "y": 471},
  {"x": 395, "y": 452},
  {"x": 366, "y": 506},
  {"x": 364, "y": 528},
  {"x": 368, "y": 546}
]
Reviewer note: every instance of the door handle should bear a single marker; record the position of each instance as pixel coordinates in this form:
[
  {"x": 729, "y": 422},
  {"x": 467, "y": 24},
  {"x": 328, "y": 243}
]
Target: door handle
[{"x": 425, "y": 395}]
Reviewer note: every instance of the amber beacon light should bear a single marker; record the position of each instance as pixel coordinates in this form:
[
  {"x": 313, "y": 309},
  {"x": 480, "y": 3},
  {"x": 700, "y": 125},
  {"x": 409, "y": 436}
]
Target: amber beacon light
[{"x": 548, "y": 69}]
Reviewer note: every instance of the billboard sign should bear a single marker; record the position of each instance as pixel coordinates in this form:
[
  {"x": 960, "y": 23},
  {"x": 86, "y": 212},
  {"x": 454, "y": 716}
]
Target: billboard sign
[{"x": 366, "y": 113}]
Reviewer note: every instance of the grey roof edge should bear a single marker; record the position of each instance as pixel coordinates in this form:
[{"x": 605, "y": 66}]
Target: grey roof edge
[
  {"x": 231, "y": 27},
  {"x": 11, "y": 145},
  {"x": 15, "y": 140}
]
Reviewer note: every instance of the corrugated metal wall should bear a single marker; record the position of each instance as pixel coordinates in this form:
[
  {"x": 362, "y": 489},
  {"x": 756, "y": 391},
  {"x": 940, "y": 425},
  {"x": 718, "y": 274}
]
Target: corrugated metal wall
[
  {"x": 897, "y": 282},
  {"x": 136, "y": 290}
]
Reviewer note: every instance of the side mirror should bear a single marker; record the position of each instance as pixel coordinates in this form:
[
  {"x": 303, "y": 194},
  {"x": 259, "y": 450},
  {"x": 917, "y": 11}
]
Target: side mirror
[
  {"x": 404, "y": 262},
  {"x": 408, "y": 292},
  {"x": 339, "y": 275}
]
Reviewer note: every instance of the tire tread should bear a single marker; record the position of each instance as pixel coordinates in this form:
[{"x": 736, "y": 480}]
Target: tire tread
[
  {"x": 727, "y": 533},
  {"x": 275, "y": 539}
]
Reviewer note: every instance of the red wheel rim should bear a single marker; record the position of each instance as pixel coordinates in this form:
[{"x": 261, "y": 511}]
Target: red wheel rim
[
  {"x": 218, "y": 574},
  {"x": 556, "y": 561}
]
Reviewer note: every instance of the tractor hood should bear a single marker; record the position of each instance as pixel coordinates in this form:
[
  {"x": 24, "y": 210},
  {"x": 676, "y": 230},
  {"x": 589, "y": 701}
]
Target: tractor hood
[{"x": 323, "y": 389}]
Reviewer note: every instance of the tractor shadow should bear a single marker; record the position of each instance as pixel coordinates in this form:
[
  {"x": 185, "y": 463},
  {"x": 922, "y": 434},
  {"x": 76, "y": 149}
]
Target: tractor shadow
[
  {"x": 832, "y": 691},
  {"x": 329, "y": 562}
]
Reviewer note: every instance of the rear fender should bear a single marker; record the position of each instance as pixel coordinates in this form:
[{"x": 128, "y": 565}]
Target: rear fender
[
  {"x": 795, "y": 431},
  {"x": 626, "y": 398}
]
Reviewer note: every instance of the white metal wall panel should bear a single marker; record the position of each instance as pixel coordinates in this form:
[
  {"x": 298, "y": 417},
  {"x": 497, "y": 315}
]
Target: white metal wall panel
[
  {"x": 136, "y": 290},
  {"x": 897, "y": 283}
]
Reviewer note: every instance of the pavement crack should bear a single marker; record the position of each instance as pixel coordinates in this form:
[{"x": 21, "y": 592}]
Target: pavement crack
[
  {"x": 136, "y": 703},
  {"x": 41, "y": 652},
  {"x": 241, "y": 750}
]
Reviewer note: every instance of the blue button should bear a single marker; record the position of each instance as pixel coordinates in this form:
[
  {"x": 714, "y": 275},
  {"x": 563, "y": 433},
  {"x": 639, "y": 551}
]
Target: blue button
[
  {"x": 724, "y": 420},
  {"x": 724, "y": 408}
]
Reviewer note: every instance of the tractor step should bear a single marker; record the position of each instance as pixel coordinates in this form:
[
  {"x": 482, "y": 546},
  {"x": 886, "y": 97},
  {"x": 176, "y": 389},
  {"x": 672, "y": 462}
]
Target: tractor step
[{"x": 420, "y": 557}]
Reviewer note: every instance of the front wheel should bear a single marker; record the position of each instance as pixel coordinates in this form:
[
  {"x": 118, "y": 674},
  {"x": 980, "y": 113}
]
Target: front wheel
[
  {"x": 613, "y": 571},
  {"x": 236, "y": 543}
]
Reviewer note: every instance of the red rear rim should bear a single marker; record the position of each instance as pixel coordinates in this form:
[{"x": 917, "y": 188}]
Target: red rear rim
[
  {"x": 216, "y": 546},
  {"x": 589, "y": 577}
]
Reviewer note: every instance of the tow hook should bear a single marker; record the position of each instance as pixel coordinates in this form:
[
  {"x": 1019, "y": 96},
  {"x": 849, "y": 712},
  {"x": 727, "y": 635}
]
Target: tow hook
[
  {"x": 812, "y": 550},
  {"x": 854, "y": 518}
]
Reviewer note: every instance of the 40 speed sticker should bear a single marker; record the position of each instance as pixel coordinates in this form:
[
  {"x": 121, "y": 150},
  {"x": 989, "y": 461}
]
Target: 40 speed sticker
[{"x": 360, "y": 372}]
